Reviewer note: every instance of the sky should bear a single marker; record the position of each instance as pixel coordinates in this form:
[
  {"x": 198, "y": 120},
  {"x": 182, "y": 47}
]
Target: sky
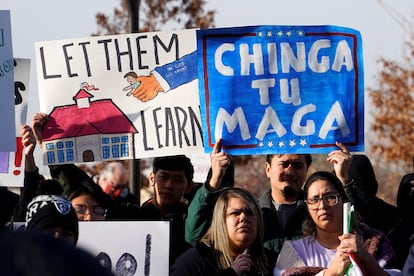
[
  {"x": 381, "y": 23},
  {"x": 382, "y": 35}
]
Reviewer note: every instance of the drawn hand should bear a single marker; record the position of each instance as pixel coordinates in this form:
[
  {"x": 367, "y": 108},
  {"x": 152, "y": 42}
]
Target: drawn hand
[{"x": 148, "y": 89}]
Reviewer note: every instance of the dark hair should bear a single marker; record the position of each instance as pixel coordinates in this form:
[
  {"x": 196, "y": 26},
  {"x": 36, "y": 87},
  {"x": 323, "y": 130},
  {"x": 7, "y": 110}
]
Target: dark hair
[
  {"x": 308, "y": 158},
  {"x": 131, "y": 74},
  {"x": 362, "y": 172},
  {"x": 174, "y": 163},
  {"x": 309, "y": 226},
  {"x": 49, "y": 187},
  {"x": 88, "y": 187},
  {"x": 329, "y": 177},
  {"x": 31, "y": 253}
]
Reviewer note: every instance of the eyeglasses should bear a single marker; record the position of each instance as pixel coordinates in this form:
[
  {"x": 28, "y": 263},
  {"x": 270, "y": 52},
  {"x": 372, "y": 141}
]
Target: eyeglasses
[
  {"x": 96, "y": 211},
  {"x": 328, "y": 200}
]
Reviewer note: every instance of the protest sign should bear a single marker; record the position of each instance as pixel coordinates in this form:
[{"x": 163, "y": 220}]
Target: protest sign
[
  {"x": 201, "y": 163},
  {"x": 281, "y": 89},
  {"x": 87, "y": 87},
  {"x": 7, "y": 135},
  {"x": 12, "y": 163},
  {"x": 128, "y": 247}
]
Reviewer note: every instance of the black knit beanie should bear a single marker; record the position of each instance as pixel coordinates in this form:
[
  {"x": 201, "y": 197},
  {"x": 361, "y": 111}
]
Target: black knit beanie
[{"x": 49, "y": 211}]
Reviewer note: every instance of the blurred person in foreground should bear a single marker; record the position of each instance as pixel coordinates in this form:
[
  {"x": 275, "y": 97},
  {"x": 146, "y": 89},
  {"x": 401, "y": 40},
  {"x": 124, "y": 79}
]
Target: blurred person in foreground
[{"x": 27, "y": 253}]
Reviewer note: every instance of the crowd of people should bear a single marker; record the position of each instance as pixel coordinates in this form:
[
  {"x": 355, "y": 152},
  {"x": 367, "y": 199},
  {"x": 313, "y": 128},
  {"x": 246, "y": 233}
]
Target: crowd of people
[{"x": 294, "y": 228}]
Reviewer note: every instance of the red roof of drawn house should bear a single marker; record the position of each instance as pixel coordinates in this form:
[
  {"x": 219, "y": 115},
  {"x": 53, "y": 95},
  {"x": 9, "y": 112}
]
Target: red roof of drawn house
[{"x": 101, "y": 117}]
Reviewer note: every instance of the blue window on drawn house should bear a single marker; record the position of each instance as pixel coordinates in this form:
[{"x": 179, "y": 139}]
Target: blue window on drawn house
[
  {"x": 115, "y": 147},
  {"x": 106, "y": 154},
  {"x": 51, "y": 157},
  {"x": 49, "y": 146},
  {"x": 59, "y": 145},
  {"x": 69, "y": 151},
  {"x": 69, "y": 155},
  {"x": 61, "y": 156},
  {"x": 115, "y": 151},
  {"x": 124, "y": 150}
]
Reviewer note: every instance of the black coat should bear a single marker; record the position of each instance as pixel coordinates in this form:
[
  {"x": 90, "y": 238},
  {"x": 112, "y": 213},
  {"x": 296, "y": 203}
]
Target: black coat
[{"x": 200, "y": 261}]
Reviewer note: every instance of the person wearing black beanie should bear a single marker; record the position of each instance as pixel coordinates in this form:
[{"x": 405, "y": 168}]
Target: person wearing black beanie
[{"x": 53, "y": 215}]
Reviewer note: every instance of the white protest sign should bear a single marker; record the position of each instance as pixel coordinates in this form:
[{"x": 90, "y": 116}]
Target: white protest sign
[
  {"x": 85, "y": 87},
  {"x": 128, "y": 247},
  {"x": 7, "y": 135},
  {"x": 201, "y": 163},
  {"x": 12, "y": 163}
]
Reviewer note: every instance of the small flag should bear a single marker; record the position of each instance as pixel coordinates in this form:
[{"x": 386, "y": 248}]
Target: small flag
[{"x": 354, "y": 269}]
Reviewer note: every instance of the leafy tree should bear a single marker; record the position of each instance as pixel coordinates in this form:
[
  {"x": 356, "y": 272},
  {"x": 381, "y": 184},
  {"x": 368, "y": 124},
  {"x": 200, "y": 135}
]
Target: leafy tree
[
  {"x": 154, "y": 15},
  {"x": 394, "y": 109},
  {"x": 392, "y": 130}
]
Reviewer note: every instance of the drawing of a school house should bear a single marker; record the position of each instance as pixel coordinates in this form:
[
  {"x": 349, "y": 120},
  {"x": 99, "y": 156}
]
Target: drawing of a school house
[{"x": 87, "y": 131}]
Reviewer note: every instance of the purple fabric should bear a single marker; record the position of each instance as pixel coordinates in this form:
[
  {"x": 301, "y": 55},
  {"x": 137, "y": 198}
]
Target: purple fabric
[{"x": 4, "y": 162}]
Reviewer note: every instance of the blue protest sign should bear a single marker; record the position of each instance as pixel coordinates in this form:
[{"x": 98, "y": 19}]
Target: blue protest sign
[{"x": 281, "y": 89}]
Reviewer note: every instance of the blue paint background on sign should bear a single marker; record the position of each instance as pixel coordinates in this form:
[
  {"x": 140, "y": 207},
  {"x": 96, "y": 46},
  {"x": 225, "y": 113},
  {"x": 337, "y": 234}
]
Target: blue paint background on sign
[{"x": 323, "y": 90}]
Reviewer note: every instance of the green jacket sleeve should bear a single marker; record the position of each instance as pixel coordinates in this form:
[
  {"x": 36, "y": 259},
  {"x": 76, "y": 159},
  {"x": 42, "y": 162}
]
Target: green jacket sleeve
[{"x": 199, "y": 214}]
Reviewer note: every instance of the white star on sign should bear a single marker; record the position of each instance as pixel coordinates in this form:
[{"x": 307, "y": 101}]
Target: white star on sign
[
  {"x": 281, "y": 144},
  {"x": 292, "y": 143},
  {"x": 270, "y": 144},
  {"x": 302, "y": 142}
]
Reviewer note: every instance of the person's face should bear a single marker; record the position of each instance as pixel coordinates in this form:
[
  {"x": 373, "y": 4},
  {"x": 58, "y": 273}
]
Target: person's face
[
  {"x": 169, "y": 187},
  {"x": 131, "y": 79},
  {"x": 287, "y": 173},
  {"x": 241, "y": 225},
  {"x": 327, "y": 218},
  {"x": 60, "y": 232},
  {"x": 87, "y": 209},
  {"x": 119, "y": 177}
]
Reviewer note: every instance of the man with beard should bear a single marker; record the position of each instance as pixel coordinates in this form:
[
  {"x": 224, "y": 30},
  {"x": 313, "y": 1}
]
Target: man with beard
[{"x": 282, "y": 205}]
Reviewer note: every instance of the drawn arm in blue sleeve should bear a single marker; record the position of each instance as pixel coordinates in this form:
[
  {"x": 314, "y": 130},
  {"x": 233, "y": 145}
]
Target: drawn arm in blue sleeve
[{"x": 167, "y": 77}]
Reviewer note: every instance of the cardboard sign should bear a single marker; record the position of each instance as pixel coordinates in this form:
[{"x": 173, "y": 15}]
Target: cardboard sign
[
  {"x": 12, "y": 163},
  {"x": 7, "y": 135},
  {"x": 128, "y": 247},
  {"x": 281, "y": 89},
  {"x": 86, "y": 86}
]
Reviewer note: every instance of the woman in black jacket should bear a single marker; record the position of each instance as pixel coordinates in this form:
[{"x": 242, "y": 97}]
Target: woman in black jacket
[{"x": 233, "y": 245}]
